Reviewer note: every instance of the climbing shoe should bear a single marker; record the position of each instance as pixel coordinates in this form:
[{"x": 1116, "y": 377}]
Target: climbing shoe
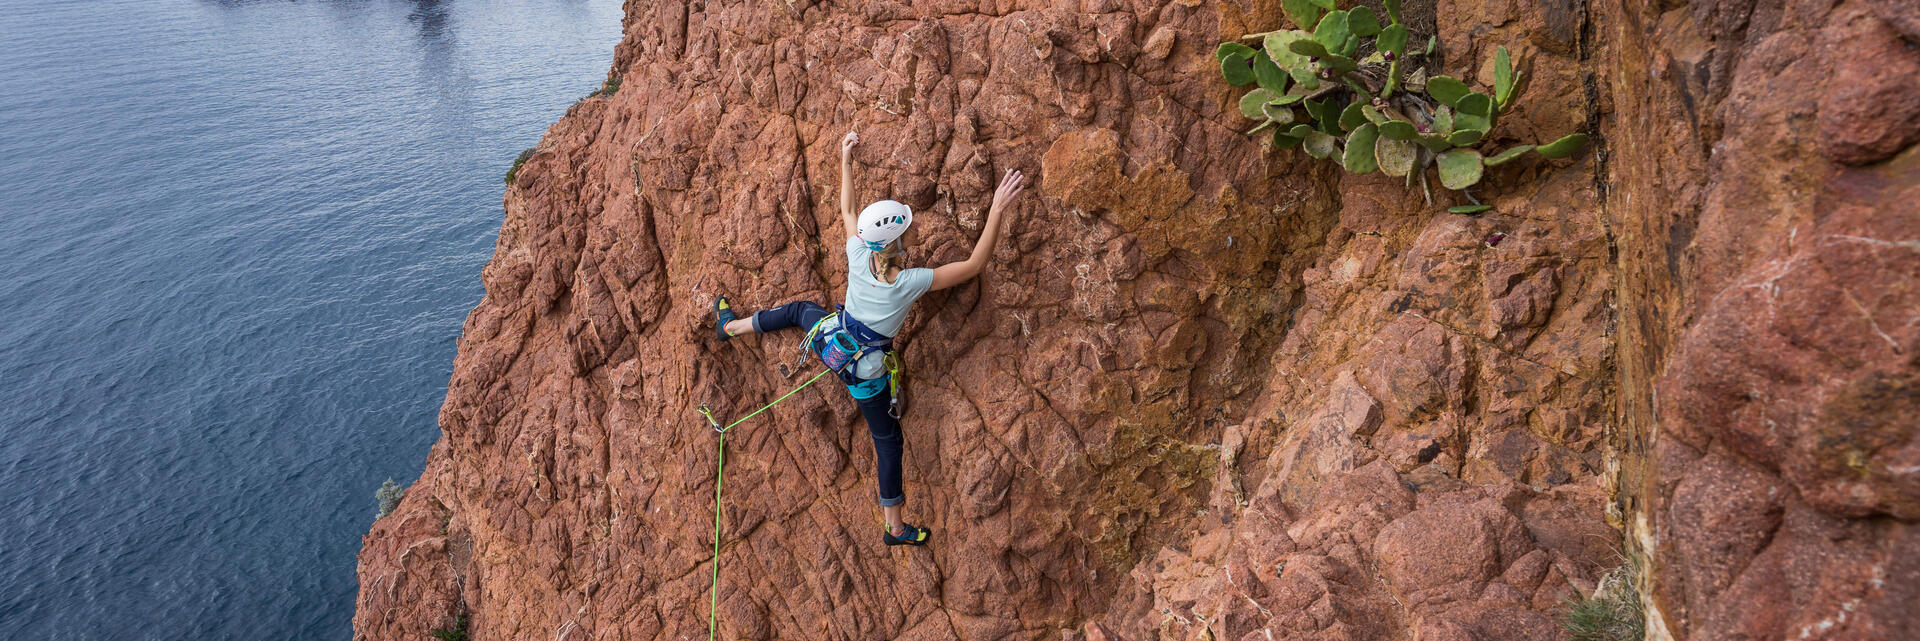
[
  {"x": 723, "y": 313},
  {"x": 910, "y": 536}
]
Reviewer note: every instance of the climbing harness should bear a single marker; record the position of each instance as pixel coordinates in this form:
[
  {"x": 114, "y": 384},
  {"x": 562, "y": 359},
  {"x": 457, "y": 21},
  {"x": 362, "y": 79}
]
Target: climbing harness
[
  {"x": 719, "y": 471},
  {"x": 840, "y": 340}
]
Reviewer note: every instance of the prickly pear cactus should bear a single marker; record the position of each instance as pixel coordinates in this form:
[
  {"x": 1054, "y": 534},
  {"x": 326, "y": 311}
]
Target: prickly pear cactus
[{"x": 1343, "y": 86}]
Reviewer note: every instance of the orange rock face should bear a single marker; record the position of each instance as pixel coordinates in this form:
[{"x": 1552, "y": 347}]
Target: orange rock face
[{"x": 1207, "y": 390}]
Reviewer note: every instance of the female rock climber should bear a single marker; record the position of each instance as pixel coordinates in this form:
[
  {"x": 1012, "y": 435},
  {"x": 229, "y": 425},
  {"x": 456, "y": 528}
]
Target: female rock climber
[{"x": 878, "y": 294}]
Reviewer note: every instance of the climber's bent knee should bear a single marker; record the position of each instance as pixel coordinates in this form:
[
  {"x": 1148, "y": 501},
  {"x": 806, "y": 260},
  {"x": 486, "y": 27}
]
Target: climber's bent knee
[{"x": 801, "y": 313}]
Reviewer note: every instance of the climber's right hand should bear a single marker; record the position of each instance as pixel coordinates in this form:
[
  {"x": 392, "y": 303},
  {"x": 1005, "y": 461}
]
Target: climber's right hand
[
  {"x": 1010, "y": 187},
  {"x": 846, "y": 145}
]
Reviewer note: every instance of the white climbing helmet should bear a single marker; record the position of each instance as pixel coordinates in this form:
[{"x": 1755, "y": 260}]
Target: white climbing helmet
[{"x": 882, "y": 222}]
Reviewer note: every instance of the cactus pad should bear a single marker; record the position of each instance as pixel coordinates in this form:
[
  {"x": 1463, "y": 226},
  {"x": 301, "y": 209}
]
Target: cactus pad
[
  {"x": 1338, "y": 63},
  {"x": 1395, "y": 157},
  {"x": 1460, "y": 168},
  {"x": 1469, "y": 209},
  {"x": 1332, "y": 32},
  {"x": 1277, "y": 114},
  {"x": 1267, "y": 74},
  {"x": 1276, "y": 46},
  {"x": 1251, "y": 103},
  {"x": 1435, "y": 143},
  {"x": 1303, "y": 13},
  {"x": 1229, "y": 48},
  {"x": 1465, "y": 137},
  {"x": 1394, "y": 39},
  {"x": 1304, "y": 77},
  {"x": 1398, "y": 130},
  {"x": 1308, "y": 48},
  {"x": 1502, "y": 78},
  {"x": 1443, "y": 121},
  {"x": 1330, "y": 115},
  {"x": 1566, "y": 146},
  {"x": 1359, "y": 157},
  {"x": 1508, "y": 155},
  {"x": 1352, "y": 117},
  {"x": 1447, "y": 90},
  {"x": 1320, "y": 144},
  {"x": 1470, "y": 121},
  {"x": 1362, "y": 22},
  {"x": 1235, "y": 69},
  {"x": 1475, "y": 103}
]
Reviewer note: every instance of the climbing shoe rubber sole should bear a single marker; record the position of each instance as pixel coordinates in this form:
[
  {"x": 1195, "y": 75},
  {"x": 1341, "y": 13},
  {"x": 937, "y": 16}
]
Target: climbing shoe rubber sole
[
  {"x": 723, "y": 314},
  {"x": 915, "y": 536}
]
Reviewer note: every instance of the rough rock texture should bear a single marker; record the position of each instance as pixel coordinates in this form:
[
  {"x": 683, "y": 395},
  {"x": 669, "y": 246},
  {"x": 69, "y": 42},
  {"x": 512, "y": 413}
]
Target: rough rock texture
[
  {"x": 1769, "y": 315},
  {"x": 1208, "y": 390}
]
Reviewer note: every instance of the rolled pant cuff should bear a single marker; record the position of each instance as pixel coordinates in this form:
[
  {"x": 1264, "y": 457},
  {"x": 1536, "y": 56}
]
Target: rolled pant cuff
[{"x": 890, "y": 502}]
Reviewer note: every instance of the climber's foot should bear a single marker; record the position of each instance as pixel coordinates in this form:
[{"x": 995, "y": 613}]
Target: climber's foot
[
  {"x": 723, "y": 314},
  {"x": 907, "y": 535}
]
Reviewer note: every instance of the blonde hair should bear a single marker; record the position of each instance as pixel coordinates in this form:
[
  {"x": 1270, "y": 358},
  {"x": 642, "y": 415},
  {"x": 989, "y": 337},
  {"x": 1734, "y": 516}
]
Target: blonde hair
[{"x": 882, "y": 264}]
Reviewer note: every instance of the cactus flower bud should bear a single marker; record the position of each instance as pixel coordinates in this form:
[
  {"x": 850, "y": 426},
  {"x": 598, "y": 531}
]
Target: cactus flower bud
[
  {"x": 1388, "y": 55},
  {"x": 1423, "y": 128},
  {"x": 1493, "y": 239}
]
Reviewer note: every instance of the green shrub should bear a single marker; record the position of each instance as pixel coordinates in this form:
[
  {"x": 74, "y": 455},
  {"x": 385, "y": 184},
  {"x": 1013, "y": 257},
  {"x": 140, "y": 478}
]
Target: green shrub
[
  {"x": 607, "y": 88},
  {"x": 389, "y": 496},
  {"x": 1382, "y": 111},
  {"x": 1611, "y": 613},
  {"x": 610, "y": 87},
  {"x": 517, "y": 162},
  {"x": 457, "y": 633}
]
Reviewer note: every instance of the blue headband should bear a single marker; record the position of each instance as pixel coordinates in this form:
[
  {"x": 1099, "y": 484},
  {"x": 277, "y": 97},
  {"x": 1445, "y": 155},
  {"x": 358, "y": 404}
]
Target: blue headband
[{"x": 873, "y": 246}]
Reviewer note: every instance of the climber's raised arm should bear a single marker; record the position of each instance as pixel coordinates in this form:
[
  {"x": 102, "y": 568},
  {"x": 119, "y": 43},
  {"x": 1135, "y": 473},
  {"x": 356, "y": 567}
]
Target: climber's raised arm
[
  {"x": 952, "y": 274},
  {"x": 847, "y": 218}
]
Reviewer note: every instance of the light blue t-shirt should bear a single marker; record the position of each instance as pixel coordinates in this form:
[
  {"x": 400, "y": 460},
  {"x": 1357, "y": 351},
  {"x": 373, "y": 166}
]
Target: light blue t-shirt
[{"x": 881, "y": 306}]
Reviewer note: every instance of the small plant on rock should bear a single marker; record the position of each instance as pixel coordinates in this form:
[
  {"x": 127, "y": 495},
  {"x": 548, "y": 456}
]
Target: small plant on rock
[
  {"x": 456, "y": 633},
  {"x": 1612, "y": 613},
  {"x": 608, "y": 88},
  {"x": 1343, "y": 86},
  {"x": 517, "y": 162},
  {"x": 389, "y": 496}
]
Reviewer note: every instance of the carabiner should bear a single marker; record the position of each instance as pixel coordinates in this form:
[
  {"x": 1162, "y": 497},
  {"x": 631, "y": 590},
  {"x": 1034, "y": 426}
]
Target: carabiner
[{"x": 704, "y": 411}]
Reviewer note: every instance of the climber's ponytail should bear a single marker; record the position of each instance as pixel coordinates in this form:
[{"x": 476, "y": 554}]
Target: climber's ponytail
[{"x": 883, "y": 268}]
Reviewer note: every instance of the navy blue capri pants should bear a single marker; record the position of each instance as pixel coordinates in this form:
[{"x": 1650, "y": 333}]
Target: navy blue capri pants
[{"x": 885, "y": 428}]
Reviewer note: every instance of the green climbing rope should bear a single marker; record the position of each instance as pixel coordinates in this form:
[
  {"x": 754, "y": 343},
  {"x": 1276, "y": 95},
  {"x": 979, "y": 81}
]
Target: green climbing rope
[{"x": 719, "y": 471}]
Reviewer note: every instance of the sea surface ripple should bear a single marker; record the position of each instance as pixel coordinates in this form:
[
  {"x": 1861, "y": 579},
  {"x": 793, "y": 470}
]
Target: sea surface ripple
[{"x": 237, "y": 243}]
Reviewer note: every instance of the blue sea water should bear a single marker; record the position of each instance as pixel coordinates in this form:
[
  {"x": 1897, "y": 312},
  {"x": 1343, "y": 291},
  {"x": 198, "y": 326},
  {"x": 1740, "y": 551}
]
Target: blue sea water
[{"x": 237, "y": 242}]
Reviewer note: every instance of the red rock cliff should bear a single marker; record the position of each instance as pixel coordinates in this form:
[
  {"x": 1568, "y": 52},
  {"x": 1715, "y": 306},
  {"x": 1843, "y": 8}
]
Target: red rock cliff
[{"x": 1207, "y": 390}]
